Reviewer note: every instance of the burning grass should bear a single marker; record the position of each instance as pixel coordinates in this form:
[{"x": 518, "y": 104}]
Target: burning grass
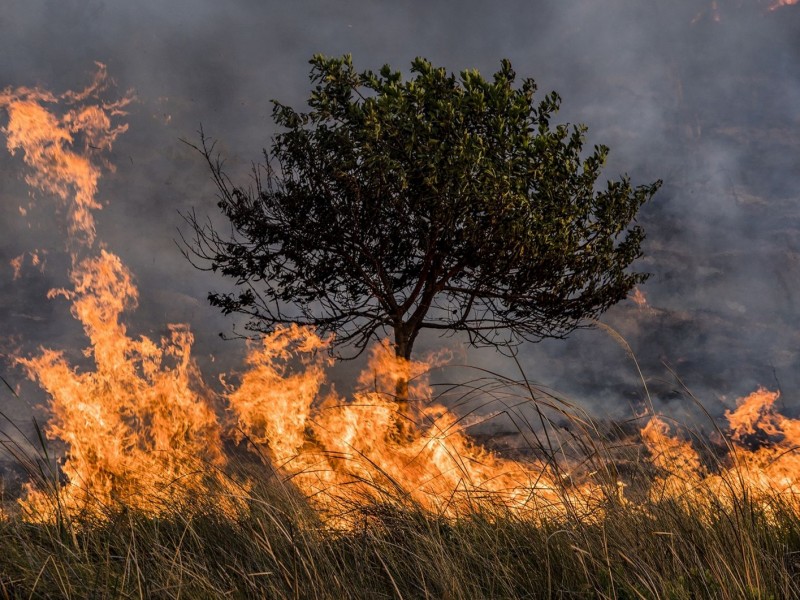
[
  {"x": 297, "y": 492},
  {"x": 281, "y": 546},
  {"x": 650, "y": 512}
]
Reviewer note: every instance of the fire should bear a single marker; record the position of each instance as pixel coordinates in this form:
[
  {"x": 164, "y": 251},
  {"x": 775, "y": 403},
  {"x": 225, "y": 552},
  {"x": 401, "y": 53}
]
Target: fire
[
  {"x": 780, "y": 3},
  {"x": 48, "y": 144},
  {"x": 766, "y": 444},
  {"x": 639, "y": 298},
  {"x": 16, "y": 265},
  {"x": 678, "y": 465},
  {"x": 272, "y": 406},
  {"x": 37, "y": 259},
  {"x": 713, "y": 11},
  {"x": 341, "y": 453},
  {"x": 761, "y": 459},
  {"x": 138, "y": 428}
]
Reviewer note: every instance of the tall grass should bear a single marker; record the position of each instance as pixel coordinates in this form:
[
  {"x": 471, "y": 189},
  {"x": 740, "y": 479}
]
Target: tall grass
[
  {"x": 280, "y": 547},
  {"x": 279, "y": 551}
]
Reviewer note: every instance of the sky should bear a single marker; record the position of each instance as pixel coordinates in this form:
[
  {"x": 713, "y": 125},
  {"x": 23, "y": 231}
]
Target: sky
[{"x": 704, "y": 95}]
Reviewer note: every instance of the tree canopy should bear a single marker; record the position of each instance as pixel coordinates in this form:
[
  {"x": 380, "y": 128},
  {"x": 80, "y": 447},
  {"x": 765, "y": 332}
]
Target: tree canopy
[{"x": 436, "y": 202}]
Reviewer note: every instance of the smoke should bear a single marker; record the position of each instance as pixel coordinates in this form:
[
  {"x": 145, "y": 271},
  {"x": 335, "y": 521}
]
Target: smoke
[{"x": 702, "y": 94}]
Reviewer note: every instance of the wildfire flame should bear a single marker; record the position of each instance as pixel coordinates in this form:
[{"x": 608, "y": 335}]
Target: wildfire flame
[
  {"x": 16, "y": 265},
  {"x": 139, "y": 429},
  {"x": 345, "y": 452},
  {"x": 713, "y": 12},
  {"x": 37, "y": 259},
  {"x": 639, "y": 298},
  {"x": 48, "y": 142},
  {"x": 761, "y": 460},
  {"x": 780, "y": 3}
]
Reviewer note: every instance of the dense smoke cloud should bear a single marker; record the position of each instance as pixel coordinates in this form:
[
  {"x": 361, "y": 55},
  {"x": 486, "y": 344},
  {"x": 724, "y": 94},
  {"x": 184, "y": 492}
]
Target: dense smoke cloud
[{"x": 701, "y": 94}]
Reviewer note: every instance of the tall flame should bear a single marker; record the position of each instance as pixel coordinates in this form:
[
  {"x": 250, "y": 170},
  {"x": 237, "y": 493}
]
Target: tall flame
[
  {"x": 346, "y": 452},
  {"x": 138, "y": 428}
]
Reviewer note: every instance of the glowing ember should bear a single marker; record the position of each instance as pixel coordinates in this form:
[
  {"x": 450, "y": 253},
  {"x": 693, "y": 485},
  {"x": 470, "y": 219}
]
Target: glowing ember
[
  {"x": 16, "y": 264},
  {"x": 712, "y": 13},
  {"x": 639, "y": 298},
  {"x": 779, "y": 3}
]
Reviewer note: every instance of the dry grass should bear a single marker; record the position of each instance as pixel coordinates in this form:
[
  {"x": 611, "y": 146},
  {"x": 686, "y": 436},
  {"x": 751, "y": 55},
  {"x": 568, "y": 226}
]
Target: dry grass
[
  {"x": 280, "y": 551},
  {"x": 280, "y": 548}
]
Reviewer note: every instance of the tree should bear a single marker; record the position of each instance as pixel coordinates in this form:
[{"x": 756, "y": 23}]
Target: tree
[{"x": 438, "y": 202}]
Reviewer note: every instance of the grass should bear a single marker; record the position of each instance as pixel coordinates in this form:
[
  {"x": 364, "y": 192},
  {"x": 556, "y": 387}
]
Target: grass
[
  {"x": 690, "y": 547},
  {"x": 279, "y": 550}
]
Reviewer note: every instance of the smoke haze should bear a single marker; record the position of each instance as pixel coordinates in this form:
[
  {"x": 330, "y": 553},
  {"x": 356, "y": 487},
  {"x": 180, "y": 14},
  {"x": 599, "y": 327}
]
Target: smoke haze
[{"x": 705, "y": 95}]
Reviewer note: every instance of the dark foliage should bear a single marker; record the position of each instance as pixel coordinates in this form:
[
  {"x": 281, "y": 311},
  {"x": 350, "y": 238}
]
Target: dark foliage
[{"x": 437, "y": 202}]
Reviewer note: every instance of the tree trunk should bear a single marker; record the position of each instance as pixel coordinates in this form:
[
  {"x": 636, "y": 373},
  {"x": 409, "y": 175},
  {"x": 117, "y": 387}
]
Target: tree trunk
[{"x": 403, "y": 343}]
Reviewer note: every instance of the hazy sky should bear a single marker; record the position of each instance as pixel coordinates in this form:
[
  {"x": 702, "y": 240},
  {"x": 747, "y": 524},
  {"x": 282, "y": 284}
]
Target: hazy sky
[{"x": 703, "y": 95}]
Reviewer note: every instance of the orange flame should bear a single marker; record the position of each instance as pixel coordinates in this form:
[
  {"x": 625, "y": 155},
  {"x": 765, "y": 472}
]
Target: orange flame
[
  {"x": 138, "y": 428},
  {"x": 780, "y": 3},
  {"x": 678, "y": 465},
  {"x": 762, "y": 460},
  {"x": 37, "y": 259},
  {"x": 48, "y": 142},
  {"x": 338, "y": 451},
  {"x": 16, "y": 265},
  {"x": 766, "y": 444}
]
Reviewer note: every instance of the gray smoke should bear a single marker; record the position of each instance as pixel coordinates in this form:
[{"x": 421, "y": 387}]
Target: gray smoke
[{"x": 706, "y": 98}]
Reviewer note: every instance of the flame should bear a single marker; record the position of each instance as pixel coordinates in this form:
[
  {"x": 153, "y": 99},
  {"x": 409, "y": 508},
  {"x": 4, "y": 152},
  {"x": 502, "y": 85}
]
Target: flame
[
  {"x": 780, "y": 3},
  {"x": 16, "y": 265},
  {"x": 48, "y": 142},
  {"x": 139, "y": 430},
  {"x": 712, "y": 12},
  {"x": 342, "y": 452},
  {"x": 137, "y": 426},
  {"x": 761, "y": 462},
  {"x": 273, "y": 406},
  {"x": 37, "y": 259},
  {"x": 766, "y": 444},
  {"x": 639, "y": 298},
  {"x": 679, "y": 470}
]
